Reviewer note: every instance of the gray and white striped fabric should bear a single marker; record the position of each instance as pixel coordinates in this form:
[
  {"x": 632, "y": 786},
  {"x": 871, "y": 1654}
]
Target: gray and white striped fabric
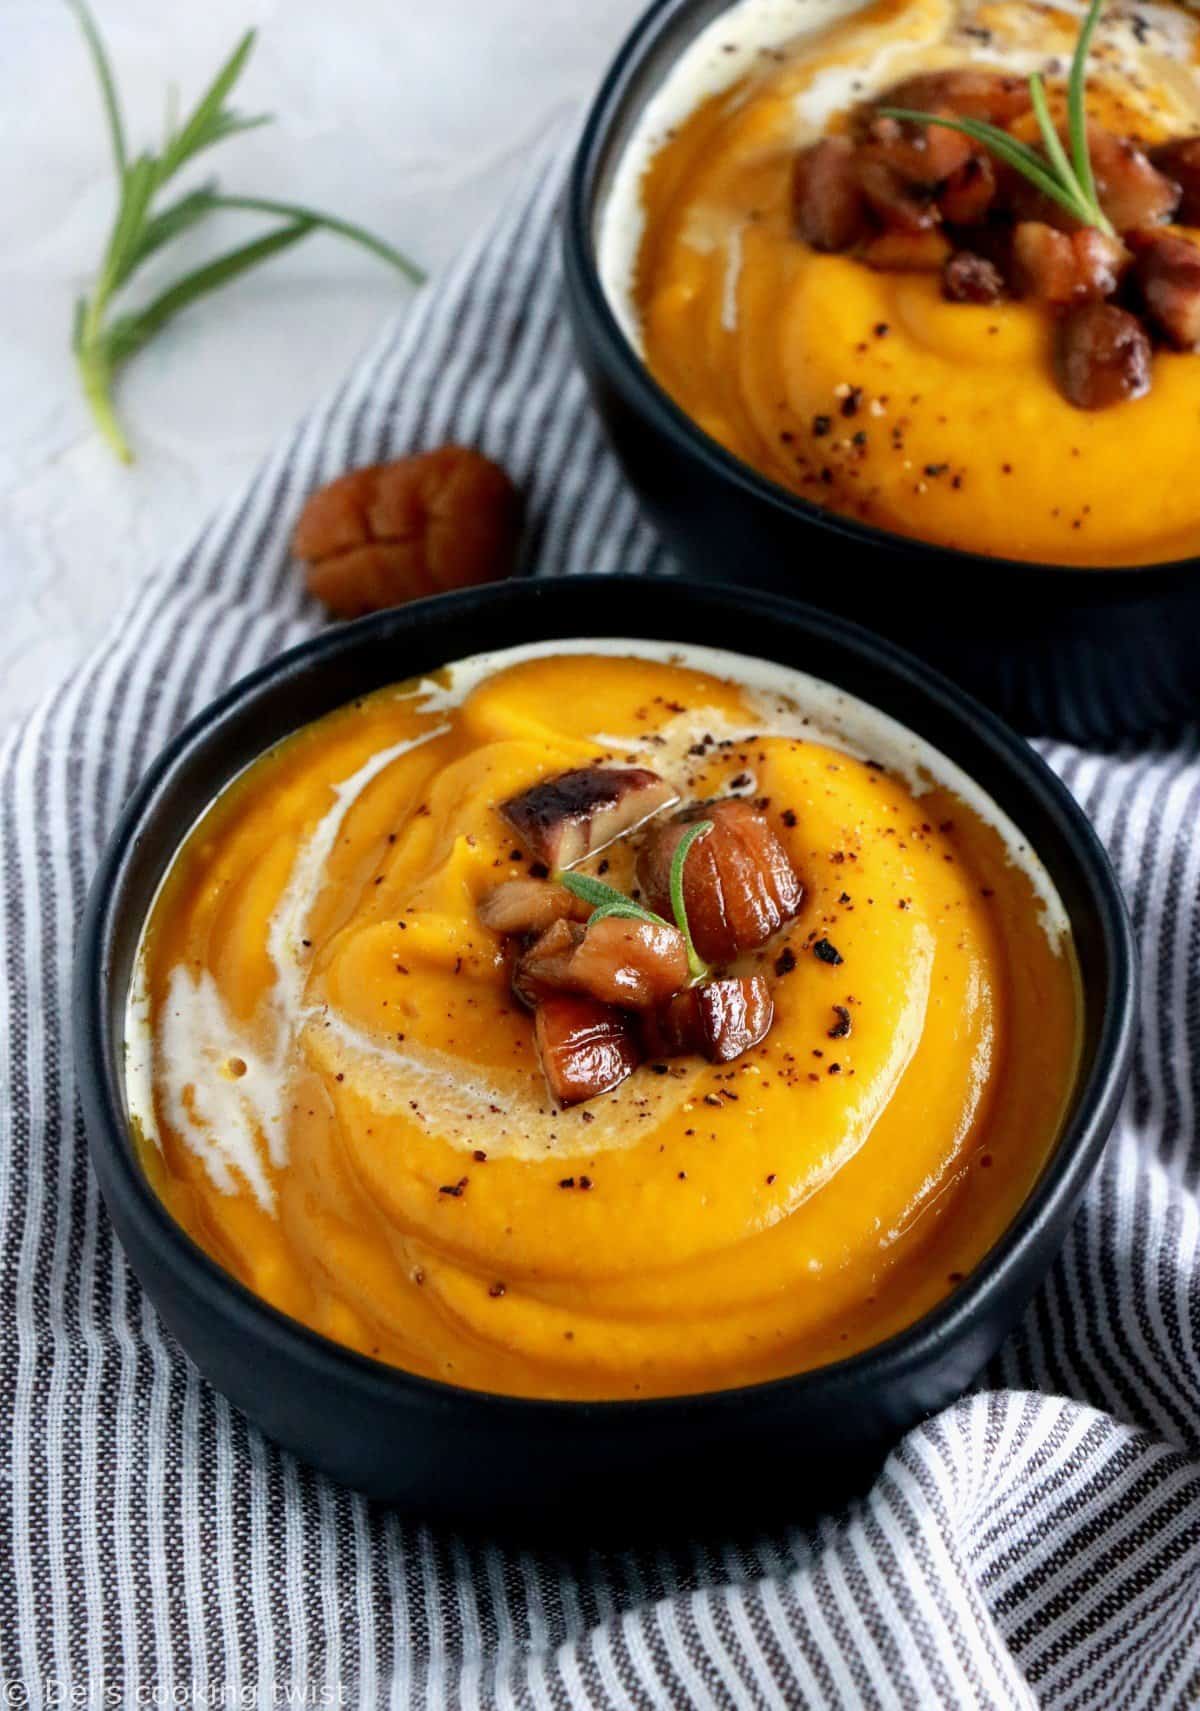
[{"x": 1037, "y": 1544}]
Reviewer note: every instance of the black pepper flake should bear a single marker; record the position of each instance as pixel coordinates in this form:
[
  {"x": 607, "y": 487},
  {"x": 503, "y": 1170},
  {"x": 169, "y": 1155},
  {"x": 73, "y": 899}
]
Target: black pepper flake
[
  {"x": 841, "y": 1027},
  {"x": 825, "y": 952},
  {"x": 567, "y": 1182},
  {"x": 479, "y": 1156},
  {"x": 821, "y": 426},
  {"x": 538, "y": 870},
  {"x": 785, "y": 962},
  {"x": 454, "y": 1189},
  {"x": 496, "y": 1291},
  {"x": 852, "y": 400},
  {"x": 585, "y": 1182},
  {"x": 770, "y": 1179},
  {"x": 788, "y": 816},
  {"x": 881, "y": 329}
]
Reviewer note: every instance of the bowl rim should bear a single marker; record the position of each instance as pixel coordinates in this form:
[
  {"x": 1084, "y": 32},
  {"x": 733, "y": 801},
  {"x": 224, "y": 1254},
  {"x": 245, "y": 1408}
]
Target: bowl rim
[
  {"x": 650, "y": 398},
  {"x": 1063, "y": 1176}
]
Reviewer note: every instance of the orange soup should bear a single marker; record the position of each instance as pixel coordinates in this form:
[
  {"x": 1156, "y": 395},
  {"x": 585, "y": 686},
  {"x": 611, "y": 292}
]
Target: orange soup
[
  {"x": 861, "y": 387},
  {"x": 338, "y": 1096}
]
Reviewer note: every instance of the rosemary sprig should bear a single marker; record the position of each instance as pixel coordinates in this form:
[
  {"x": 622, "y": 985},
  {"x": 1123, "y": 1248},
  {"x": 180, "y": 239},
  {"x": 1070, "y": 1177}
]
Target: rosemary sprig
[
  {"x": 103, "y": 340},
  {"x": 1067, "y": 180},
  {"x": 608, "y": 902}
]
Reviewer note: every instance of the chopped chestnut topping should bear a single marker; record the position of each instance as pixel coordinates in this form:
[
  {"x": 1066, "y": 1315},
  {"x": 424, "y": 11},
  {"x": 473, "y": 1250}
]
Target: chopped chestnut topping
[
  {"x": 907, "y": 252},
  {"x": 1180, "y": 162},
  {"x": 964, "y": 92},
  {"x": 967, "y": 194},
  {"x": 544, "y": 967},
  {"x": 719, "y": 1020},
  {"x": 632, "y": 963},
  {"x": 1057, "y": 267},
  {"x": 530, "y": 906},
  {"x": 739, "y": 885},
  {"x": 969, "y": 278},
  {"x": 586, "y": 1048},
  {"x": 564, "y": 819},
  {"x": 1168, "y": 274},
  {"x": 1103, "y": 356},
  {"x": 827, "y": 199},
  {"x": 898, "y": 203},
  {"x": 393, "y": 532},
  {"x": 1131, "y": 190}
]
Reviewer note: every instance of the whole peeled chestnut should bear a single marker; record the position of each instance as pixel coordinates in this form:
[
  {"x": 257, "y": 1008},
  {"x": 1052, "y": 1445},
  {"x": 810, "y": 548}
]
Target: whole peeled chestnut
[{"x": 392, "y": 532}]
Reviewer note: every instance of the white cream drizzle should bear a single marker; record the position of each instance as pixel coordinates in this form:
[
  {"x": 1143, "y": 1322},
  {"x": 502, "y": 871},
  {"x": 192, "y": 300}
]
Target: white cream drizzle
[
  {"x": 732, "y": 45},
  {"x": 235, "y": 1122},
  {"x": 226, "y": 1118}
]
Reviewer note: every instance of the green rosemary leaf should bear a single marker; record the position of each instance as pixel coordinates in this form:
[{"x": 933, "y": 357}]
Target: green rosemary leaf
[
  {"x": 697, "y": 967},
  {"x": 100, "y": 343},
  {"x": 209, "y": 121},
  {"x": 159, "y": 229},
  {"x": 129, "y": 333},
  {"x": 1051, "y": 141},
  {"x": 1076, "y": 109},
  {"x": 104, "y": 77},
  {"x": 327, "y": 222},
  {"x": 1013, "y": 152}
]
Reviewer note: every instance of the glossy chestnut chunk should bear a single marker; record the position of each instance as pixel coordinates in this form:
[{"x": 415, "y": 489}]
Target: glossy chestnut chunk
[
  {"x": 967, "y": 195},
  {"x": 907, "y": 252},
  {"x": 719, "y": 1020},
  {"x": 530, "y": 906},
  {"x": 1168, "y": 275},
  {"x": 1180, "y": 162},
  {"x": 739, "y": 884},
  {"x": 1062, "y": 267},
  {"x": 568, "y": 817},
  {"x": 963, "y": 92},
  {"x": 827, "y": 200},
  {"x": 1131, "y": 189},
  {"x": 970, "y": 278},
  {"x": 543, "y": 968},
  {"x": 632, "y": 963},
  {"x": 586, "y": 1048},
  {"x": 1103, "y": 356}
]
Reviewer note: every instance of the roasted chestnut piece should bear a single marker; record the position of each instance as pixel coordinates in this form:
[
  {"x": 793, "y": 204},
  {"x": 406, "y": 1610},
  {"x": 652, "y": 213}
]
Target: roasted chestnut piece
[
  {"x": 1180, "y": 162},
  {"x": 1103, "y": 356},
  {"x": 971, "y": 278},
  {"x": 739, "y": 885},
  {"x": 1168, "y": 275},
  {"x": 1131, "y": 190},
  {"x": 586, "y": 1048},
  {"x": 1063, "y": 267},
  {"x": 964, "y": 92},
  {"x": 632, "y": 963},
  {"x": 827, "y": 199},
  {"x": 719, "y": 1020},
  {"x": 566, "y": 818},
  {"x": 530, "y": 906}
]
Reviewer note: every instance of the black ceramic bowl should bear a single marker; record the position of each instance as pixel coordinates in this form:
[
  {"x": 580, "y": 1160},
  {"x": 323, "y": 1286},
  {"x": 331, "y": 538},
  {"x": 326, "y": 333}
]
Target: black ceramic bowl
[
  {"x": 449, "y": 1451},
  {"x": 1089, "y": 654}
]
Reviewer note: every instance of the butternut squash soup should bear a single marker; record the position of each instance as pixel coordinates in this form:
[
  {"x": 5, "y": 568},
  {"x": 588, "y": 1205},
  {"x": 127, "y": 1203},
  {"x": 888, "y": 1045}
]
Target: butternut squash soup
[
  {"x": 601, "y": 1020},
  {"x": 881, "y": 313}
]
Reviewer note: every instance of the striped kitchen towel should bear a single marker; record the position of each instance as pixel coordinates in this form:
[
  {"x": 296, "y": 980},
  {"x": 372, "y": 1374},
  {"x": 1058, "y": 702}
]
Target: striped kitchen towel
[{"x": 1036, "y": 1544}]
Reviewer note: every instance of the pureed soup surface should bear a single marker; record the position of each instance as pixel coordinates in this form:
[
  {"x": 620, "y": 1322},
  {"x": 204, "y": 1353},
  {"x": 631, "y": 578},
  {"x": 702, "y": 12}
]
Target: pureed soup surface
[
  {"x": 959, "y": 432},
  {"x": 337, "y": 1095}
]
